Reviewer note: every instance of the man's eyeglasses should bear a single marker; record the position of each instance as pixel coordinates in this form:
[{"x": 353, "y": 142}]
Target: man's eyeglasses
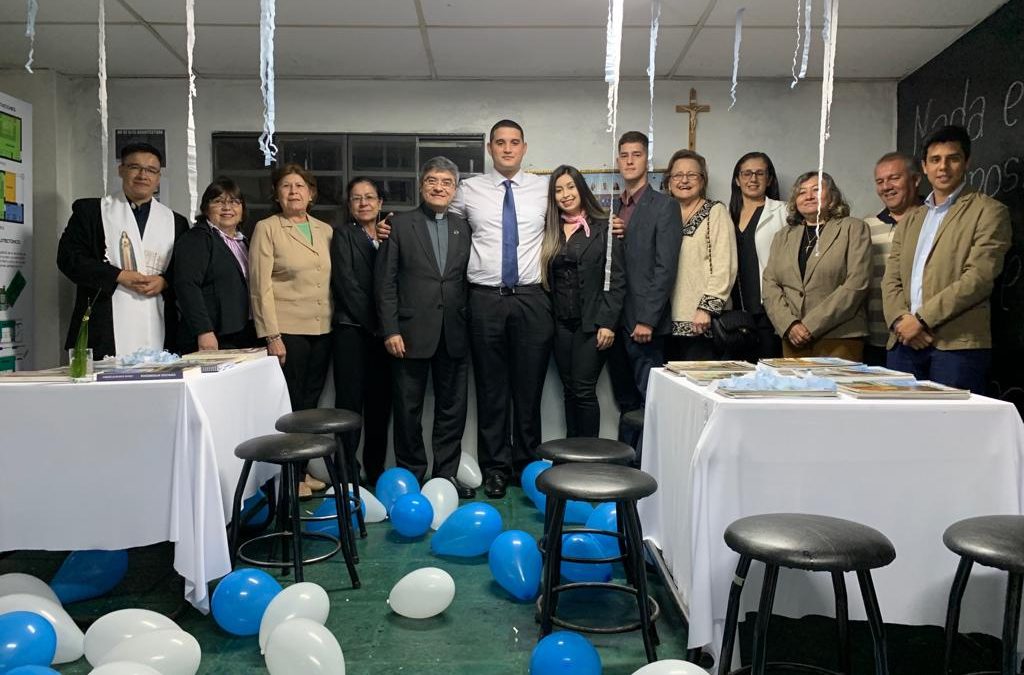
[
  {"x": 226, "y": 201},
  {"x": 139, "y": 168},
  {"x": 433, "y": 181},
  {"x": 747, "y": 175},
  {"x": 359, "y": 199},
  {"x": 680, "y": 177}
]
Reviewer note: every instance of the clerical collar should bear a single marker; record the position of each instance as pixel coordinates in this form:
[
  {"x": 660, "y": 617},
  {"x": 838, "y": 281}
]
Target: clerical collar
[{"x": 431, "y": 214}]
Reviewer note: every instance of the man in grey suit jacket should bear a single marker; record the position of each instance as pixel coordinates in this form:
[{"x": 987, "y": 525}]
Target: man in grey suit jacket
[
  {"x": 653, "y": 234},
  {"x": 421, "y": 293}
]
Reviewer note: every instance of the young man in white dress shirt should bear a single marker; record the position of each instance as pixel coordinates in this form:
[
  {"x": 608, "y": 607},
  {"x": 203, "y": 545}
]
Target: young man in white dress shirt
[{"x": 509, "y": 312}]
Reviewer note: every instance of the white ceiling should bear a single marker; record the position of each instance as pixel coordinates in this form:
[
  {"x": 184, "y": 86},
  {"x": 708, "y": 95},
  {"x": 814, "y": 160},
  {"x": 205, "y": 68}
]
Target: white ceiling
[{"x": 480, "y": 39}]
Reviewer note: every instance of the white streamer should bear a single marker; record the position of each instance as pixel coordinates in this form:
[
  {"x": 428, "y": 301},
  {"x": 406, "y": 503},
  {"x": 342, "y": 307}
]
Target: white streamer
[
  {"x": 827, "y": 80},
  {"x": 190, "y": 128},
  {"x": 104, "y": 133},
  {"x": 30, "y": 31},
  {"x": 612, "y": 63},
  {"x": 652, "y": 49},
  {"x": 807, "y": 38},
  {"x": 796, "y": 50},
  {"x": 736, "y": 53},
  {"x": 267, "y": 18}
]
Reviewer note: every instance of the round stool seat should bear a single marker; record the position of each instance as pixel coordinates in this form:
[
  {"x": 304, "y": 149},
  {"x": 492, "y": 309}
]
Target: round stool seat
[
  {"x": 602, "y": 450},
  {"x": 809, "y": 542},
  {"x": 319, "y": 421},
  {"x": 993, "y": 541},
  {"x": 286, "y": 448},
  {"x": 634, "y": 419},
  {"x": 596, "y": 482}
]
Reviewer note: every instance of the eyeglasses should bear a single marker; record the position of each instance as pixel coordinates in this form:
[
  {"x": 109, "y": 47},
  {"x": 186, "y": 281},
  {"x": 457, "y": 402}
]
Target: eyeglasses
[
  {"x": 434, "y": 181},
  {"x": 747, "y": 175},
  {"x": 139, "y": 168},
  {"x": 680, "y": 177},
  {"x": 226, "y": 201},
  {"x": 359, "y": 199}
]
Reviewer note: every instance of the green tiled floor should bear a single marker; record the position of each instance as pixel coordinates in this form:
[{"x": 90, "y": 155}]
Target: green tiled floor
[{"x": 483, "y": 632}]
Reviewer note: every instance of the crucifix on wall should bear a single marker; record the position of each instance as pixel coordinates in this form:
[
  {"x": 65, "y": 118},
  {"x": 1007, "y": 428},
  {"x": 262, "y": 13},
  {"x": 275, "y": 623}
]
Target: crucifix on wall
[{"x": 693, "y": 109}]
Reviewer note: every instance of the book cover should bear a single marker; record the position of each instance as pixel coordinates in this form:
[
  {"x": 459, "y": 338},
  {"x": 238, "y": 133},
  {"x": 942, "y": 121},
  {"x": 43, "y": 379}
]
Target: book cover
[
  {"x": 706, "y": 366},
  {"x": 906, "y": 388}
]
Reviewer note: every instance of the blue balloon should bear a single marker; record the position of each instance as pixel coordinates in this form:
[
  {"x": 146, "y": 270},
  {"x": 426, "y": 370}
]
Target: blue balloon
[
  {"x": 515, "y": 562},
  {"x": 411, "y": 515},
  {"x": 89, "y": 574},
  {"x": 26, "y": 639},
  {"x": 528, "y": 477},
  {"x": 32, "y": 670},
  {"x": 394, "y": 483},
  {"x": 256, "y": 511},
  {"x": 240, "y": 599},
  {"x": 329, "y": 508},
  {"x": 604, "y": 518},
  {"x": 575, "y": 512},
  {"x": 469, "y": 531},
  {"x": 565, "y": 653},
  {"x": 581, "y": 545}
]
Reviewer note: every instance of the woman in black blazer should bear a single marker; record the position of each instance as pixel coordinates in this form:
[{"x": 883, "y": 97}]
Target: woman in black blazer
[
  {"x": 362, "y": 374},
  {"x": 586, "y": 312},
  {"x": 211, "y": 270}
]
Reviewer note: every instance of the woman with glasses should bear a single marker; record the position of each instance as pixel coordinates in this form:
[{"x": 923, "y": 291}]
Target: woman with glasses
[
  {"x": 758, "y": 215},
  {"x": 816, "y": 281},
  {"x": 362, "y": 372},
  {"x": 211, "y": 274},
  {"x": 573, "y": 255},
  {"x": 707, "y": 260},
  {"x": 289, "y": 282}
]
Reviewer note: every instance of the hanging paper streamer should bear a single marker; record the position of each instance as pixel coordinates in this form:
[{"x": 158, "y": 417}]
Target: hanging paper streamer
[
  {"x": 736, "y": 53},
  {"x": 827, "y": 79},
  {"x": 190, "y": 128},
  {"x": 267, "y": 18},
  {"x": 796, "y": 50},
  {"x": 30, "y": 31},
  {"x": 807, "y": 40},
  {"x": 104, "y": 134},
  {"x": 651, "y": 51},
  {"x": 612, "y": 62}
]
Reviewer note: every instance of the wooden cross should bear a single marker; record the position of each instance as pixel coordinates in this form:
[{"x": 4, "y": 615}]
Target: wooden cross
[{"x": 693, "y": 109}]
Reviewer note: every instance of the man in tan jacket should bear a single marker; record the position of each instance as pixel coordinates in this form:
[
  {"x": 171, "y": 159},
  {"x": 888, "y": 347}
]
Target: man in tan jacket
[{"x": 939, "y": 276}]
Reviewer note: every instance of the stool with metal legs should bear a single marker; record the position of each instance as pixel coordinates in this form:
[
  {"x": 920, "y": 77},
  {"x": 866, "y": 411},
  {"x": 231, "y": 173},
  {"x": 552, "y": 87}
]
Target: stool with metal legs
[
  {"x": 816, "y": 544},
  {"x": 992, "y": 541}
]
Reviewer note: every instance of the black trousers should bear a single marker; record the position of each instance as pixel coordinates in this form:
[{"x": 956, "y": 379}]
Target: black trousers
[
  {"x": 305, "y": 367},
  {"x": 511, "y": 346},
  {"x": 362, "y": 384},
  {"x": 579, "y": 364},
  {"x": 690, "y": 348},
  {"x": 450, "y": 376},
  {"x": 629, "y": 368}
]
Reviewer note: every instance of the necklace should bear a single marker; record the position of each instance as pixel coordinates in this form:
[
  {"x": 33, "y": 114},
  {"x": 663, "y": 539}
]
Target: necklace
[
  {"x": 811, "y": 235},
  {"x": 693, "y": 210}
]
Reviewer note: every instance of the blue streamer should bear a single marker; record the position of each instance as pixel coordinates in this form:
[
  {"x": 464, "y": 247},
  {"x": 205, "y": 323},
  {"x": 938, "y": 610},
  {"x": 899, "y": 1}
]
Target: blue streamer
[
  {"x": 267, "y": 19},
  {"x": 30, "y": 31},
  {"x": 736, "y": 53}
]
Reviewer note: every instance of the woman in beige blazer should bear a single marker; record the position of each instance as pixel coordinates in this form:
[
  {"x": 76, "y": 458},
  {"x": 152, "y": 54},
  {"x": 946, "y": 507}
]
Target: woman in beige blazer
[
  {"x": 815, "y": 285},
  {"x": 290, "y": 287}
]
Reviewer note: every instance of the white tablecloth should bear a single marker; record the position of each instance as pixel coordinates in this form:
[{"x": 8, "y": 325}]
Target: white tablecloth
[
  {"x": 908, "y": 468},
  {"x": 115, "y": 465}
]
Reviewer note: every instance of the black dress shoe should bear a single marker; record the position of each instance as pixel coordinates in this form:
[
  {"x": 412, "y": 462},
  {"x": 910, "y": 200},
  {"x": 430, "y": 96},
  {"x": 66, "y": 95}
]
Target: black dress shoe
[
  {"x": 464, "y": 491},
  {"x": 495, "y": 486}
]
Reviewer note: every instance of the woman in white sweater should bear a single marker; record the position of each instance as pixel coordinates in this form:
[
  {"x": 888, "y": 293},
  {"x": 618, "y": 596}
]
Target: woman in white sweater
[
  {"x": 758, "y": 215},
  {"x": 707, "y": 260}
]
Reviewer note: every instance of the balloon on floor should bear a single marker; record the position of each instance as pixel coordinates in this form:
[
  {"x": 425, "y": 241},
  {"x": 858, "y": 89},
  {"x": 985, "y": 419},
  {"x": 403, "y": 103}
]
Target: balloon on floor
[
  {"x": 302, "y": 600},
  {"x": 169, "y": 651},
  {"x": 443, "y": 497},
  {"x": 394, "y": 483},
  {"x": 241, "y": 598},
  {"x": 411, "y": 515},
  {"x": 114, "y": 628},
  {"x": 26, "y": 639},
  {"x": 423, "y": 593},
  {"x": 303, "y": 646},
  {"x": 89, "y": 574},
  {"x": 468, "y": 532},
  {"x": 564, "y": 652},
  {"x": 469, "y": 473},
  {"x": 515, "y": 563},
  {"x": 70, "y": 640}
]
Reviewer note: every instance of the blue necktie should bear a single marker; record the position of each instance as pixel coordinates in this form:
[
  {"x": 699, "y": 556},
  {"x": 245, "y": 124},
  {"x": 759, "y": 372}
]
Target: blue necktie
[{"x": 509, "y": 239}]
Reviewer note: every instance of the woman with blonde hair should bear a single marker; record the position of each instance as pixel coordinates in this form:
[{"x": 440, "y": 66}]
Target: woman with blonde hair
[{"x": 586, "y": 301}]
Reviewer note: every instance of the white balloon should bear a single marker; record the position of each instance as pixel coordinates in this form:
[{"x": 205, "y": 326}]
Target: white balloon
[
  {"x": 70, "y": 640},
  {"x": 443, "y": 497},
  {"x": 304, "y": 646},
  {"x": 671, "y": 667},
  {"x": 124, "y": 668},
  {"x": 317, "y": 469},
  {"x": 169, "y": 651},
  {"x": 303, "y": 600},
  {"x": 375, "y": 511},
  {"x": 469, "y": 472},
  {"x": 422, "y": 593},
  {"x": 16, "y": 582},
  {"x": 114, "y": 628}
]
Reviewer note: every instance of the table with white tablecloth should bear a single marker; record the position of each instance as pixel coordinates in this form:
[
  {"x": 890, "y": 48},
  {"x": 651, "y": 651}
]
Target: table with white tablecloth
[
  {"x": 114, "y": 465},
  {"x": 908, "y": 468}
]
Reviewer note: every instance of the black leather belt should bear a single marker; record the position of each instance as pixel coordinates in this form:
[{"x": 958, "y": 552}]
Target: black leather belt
[{"x": 527, "y": 289}]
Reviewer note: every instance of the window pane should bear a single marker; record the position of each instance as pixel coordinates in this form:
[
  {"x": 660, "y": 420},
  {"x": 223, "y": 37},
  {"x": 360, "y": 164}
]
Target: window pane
[
  {"x": 330, "y": 190},
  {"x": 374, "y": 154},
  {"x": 326, "y": 153},
  {"x": 256, "y": 189},
  {"x": 468, "y": 156},
  {"x": 236, "y": 152},
  {"x": 399, "y": 192}
]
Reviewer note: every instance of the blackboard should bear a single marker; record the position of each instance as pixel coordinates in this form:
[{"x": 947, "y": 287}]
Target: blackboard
[{"x": 978, "y": 82}]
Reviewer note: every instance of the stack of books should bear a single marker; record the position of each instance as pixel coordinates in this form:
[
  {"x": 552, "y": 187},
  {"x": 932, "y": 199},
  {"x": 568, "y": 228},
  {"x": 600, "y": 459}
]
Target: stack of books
[
  {"x": 704, "y": 373},
  {"x": 908, "y": 388}
]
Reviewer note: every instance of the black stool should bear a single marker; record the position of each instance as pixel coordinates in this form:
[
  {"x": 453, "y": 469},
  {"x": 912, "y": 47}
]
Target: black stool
[
  {"x": 992, "y": 541},
  {"x": 813, "y": 543},
  {"x": 338, "y": 422},
  {"x": 585, "y": 450},
  {"x": 631, "y": 430},
  {"x": 290, "y": 451},
  {"x": 599, "y": 483}
]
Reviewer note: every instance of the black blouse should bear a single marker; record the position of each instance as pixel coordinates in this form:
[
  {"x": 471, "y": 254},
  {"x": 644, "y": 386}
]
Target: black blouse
[
  {"x": 746, "y": 292},
  {"x": 565, "y": 280}
]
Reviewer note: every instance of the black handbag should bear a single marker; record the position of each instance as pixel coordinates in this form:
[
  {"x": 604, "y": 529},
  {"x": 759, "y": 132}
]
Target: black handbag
[{"x": 734, "y": 331}]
